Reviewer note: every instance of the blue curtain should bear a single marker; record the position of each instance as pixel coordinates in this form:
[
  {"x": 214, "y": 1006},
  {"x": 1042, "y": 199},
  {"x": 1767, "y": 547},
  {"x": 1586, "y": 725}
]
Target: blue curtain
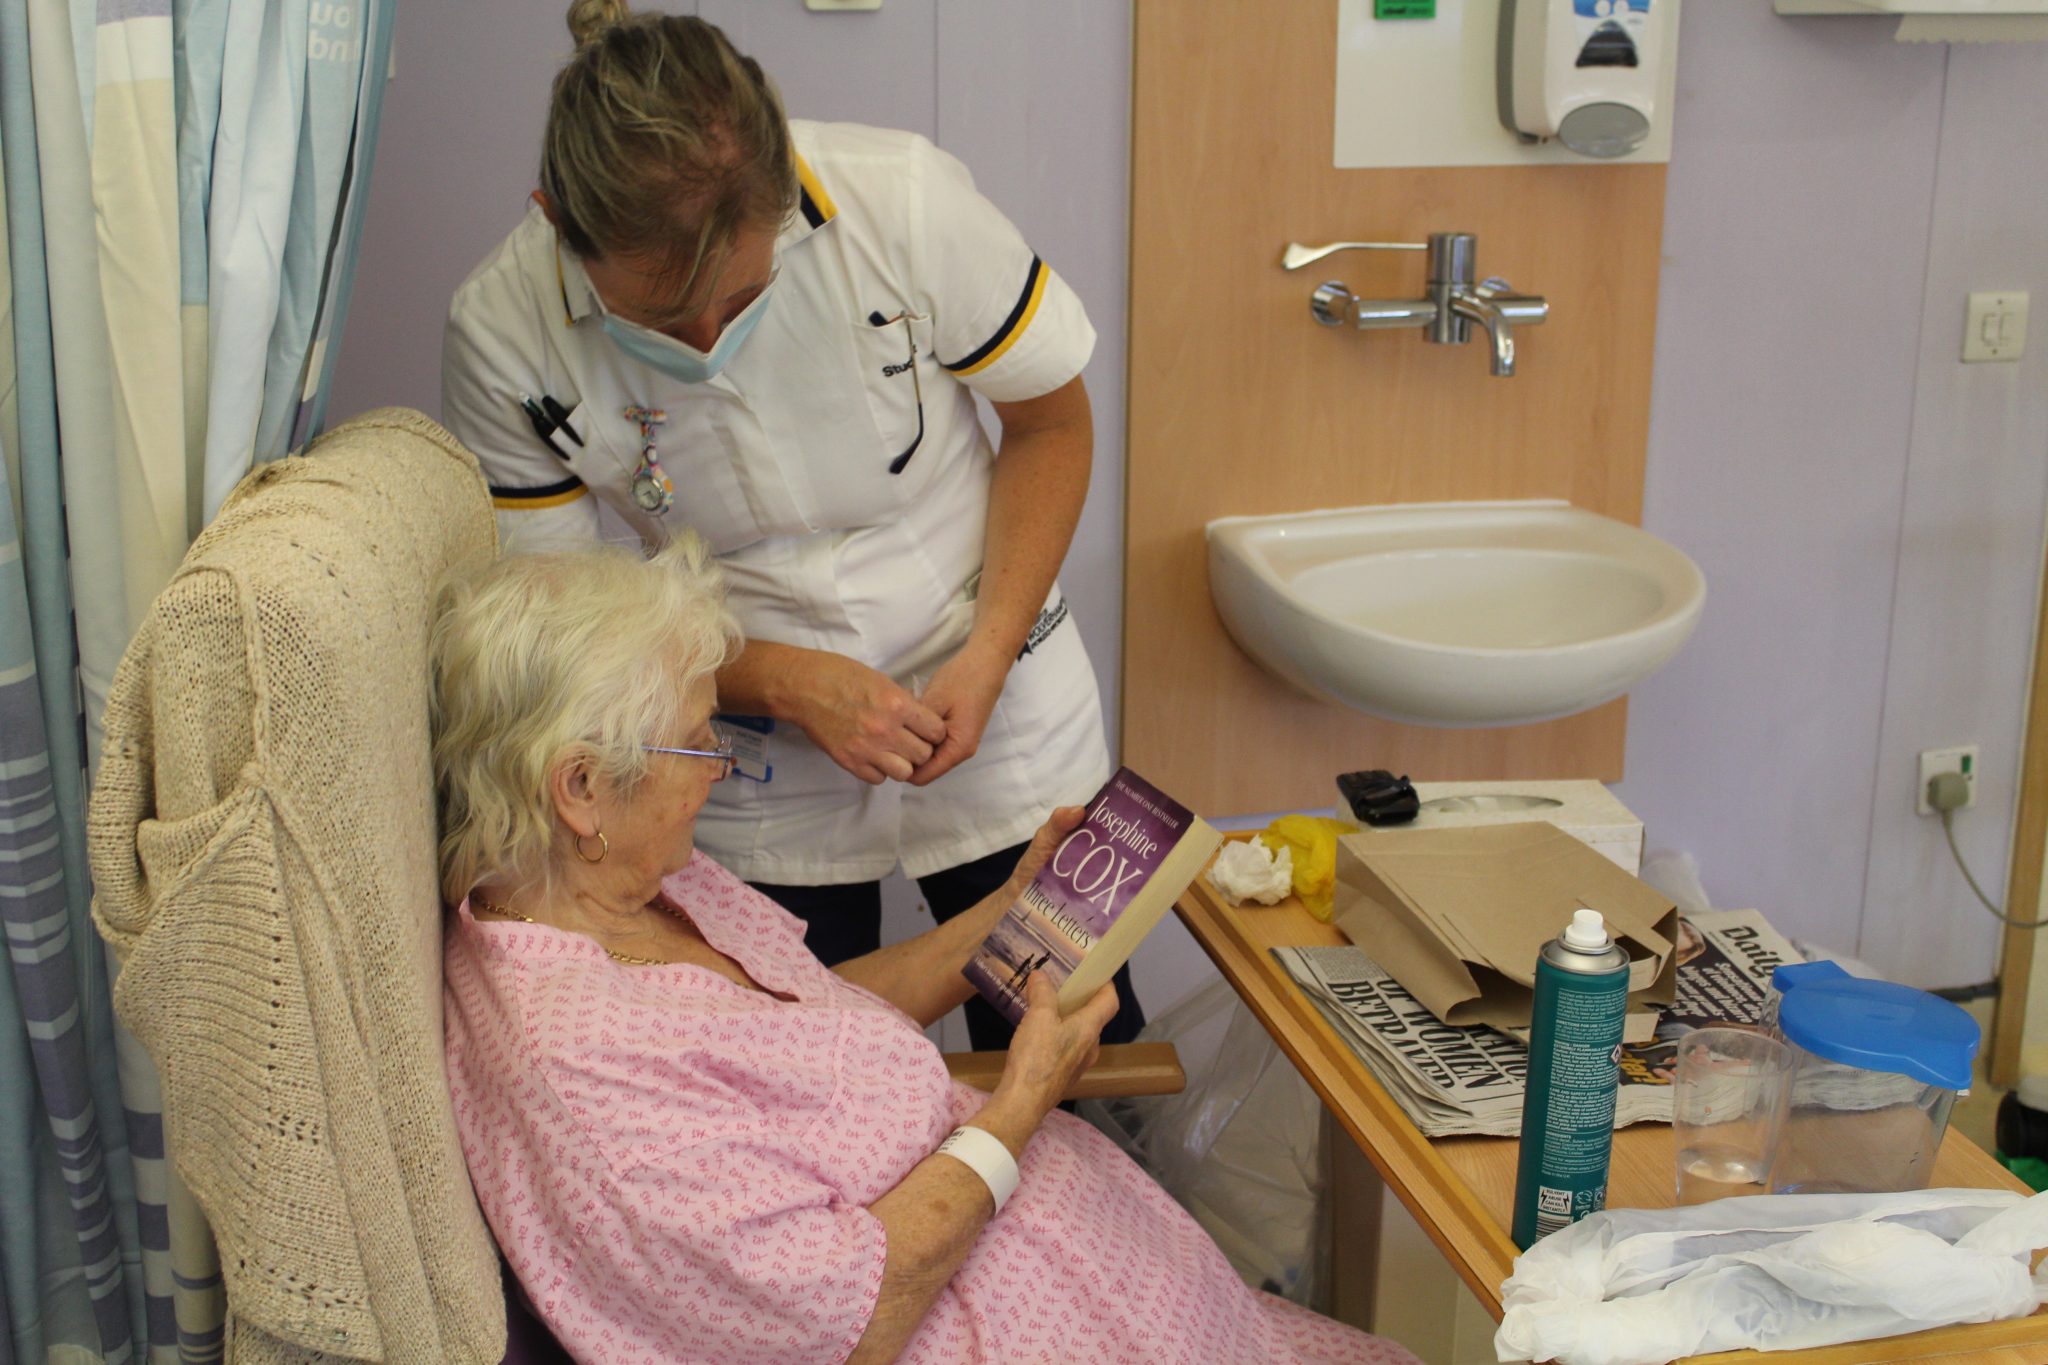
[
  {"x": 183, "y": 186},
  {"x": 65, "y": 1272}
]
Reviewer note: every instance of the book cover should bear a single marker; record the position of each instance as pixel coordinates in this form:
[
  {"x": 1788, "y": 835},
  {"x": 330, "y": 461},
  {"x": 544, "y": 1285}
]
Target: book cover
[{"x": 1096, "y": 898}]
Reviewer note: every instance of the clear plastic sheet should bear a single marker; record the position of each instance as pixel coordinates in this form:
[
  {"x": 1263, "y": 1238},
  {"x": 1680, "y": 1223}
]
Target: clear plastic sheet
[
  {"x": 1771, "y": 1272},
  {"x": 1240, "y": 1148}
]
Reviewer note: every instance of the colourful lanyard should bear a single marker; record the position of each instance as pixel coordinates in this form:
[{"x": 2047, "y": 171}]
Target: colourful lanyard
[{"x": 652, "y": 491}]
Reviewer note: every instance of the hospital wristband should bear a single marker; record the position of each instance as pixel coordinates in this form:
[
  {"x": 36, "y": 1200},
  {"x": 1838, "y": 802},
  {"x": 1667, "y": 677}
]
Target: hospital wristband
[{"x": 983, "y": 1153}]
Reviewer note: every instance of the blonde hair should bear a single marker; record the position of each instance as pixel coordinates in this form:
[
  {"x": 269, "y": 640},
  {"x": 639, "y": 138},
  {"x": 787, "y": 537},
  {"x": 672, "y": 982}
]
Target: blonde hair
[
  {"x": 540, "y": 658},
  {"x": 663, "y": 141}
]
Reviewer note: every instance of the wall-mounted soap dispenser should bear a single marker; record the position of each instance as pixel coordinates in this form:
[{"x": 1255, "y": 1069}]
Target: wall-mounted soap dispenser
[{"x": 1584, "y": 72}]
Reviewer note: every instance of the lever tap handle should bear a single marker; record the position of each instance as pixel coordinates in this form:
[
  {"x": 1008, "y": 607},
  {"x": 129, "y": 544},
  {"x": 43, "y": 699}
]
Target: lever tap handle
[{"x": 1296, "y": 255}]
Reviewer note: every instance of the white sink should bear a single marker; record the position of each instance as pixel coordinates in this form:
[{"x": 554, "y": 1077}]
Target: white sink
[{"x": 1454, "y": 614}]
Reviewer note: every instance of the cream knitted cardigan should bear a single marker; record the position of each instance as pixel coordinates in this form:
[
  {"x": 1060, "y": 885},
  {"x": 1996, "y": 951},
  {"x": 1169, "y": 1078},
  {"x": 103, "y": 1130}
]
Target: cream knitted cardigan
[{"x": 263, "y": 850}]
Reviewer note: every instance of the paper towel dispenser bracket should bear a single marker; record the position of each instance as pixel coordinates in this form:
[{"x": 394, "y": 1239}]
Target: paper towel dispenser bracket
[
  {"x": 1951, "y": 8},
  {"x": 1941, "y": 21}
]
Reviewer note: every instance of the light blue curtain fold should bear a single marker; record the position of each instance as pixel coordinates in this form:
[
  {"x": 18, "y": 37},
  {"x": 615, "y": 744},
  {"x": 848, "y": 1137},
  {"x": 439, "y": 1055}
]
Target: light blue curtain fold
[
  {"x": 183, "y": 184},
  {"x": 67, "y": 1190},
  {"x": 334, "y": 67},
  {"x": 62, "y": 1289},
  {"x": 379, "y": 18},
  {"x": 34, "y": 406},
  {"x": 198, "y": 44},
  {"x": 255, "y": 155}
]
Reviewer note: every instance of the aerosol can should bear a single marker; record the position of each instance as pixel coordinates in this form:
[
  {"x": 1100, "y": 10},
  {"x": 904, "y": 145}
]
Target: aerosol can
[{"x": 1574, "y": 1048}]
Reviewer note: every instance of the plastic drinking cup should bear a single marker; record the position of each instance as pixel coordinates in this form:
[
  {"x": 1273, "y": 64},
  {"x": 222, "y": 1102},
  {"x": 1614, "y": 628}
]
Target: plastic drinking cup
[{"x": 1727, "y": 1111}]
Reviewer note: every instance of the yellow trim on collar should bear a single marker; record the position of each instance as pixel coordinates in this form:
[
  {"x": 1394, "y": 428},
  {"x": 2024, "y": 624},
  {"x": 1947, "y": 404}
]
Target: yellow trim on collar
[{"x": 807, "y": 181}]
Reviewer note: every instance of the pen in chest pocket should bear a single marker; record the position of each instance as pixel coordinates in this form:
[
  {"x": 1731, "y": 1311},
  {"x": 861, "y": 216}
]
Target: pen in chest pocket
[
  {"x": 906, "y": 317},
  {"x": 547, "y": 417}
]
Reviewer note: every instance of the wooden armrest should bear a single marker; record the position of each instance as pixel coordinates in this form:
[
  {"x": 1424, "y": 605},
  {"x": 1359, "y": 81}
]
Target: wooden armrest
[{"x": 1123, "y": 1070}]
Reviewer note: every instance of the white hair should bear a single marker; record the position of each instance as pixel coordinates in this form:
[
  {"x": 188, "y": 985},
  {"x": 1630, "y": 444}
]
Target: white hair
[{"x": 544, "y": 657}]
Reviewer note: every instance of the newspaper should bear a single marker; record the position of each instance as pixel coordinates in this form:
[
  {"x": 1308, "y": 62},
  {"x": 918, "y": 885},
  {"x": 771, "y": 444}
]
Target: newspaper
[{"x": 1453, "y": 1081}]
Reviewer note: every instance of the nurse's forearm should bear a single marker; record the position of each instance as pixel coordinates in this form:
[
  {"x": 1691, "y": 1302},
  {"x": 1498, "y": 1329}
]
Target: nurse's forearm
[
  {"x": 1040, "y": 483},
  {"x": 863, "y": 720},
  {"x": 761, "y": 679}
]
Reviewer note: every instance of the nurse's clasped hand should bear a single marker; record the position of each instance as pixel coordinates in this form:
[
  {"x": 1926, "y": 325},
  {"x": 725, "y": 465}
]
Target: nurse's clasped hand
[
  {"x": 963, "y": 694},
  {"x": 862, "y": 719}
]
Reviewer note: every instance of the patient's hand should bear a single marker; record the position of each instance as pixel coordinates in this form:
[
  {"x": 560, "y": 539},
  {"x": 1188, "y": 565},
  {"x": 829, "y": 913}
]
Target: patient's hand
[
  {"x": 1063, "y": 821},
  {"x": 1049, "y": 1053}
]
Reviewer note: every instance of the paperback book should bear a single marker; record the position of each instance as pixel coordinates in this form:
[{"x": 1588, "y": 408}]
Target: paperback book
[{"x": 1096, "y": 898}]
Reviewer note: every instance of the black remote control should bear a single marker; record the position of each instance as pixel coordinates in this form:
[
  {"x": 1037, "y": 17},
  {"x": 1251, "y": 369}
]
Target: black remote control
[{"x": 1378, "y": 797}]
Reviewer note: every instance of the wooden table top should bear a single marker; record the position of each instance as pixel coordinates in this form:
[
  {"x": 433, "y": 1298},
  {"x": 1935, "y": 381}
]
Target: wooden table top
[{"x": 1460, "y": 1190}]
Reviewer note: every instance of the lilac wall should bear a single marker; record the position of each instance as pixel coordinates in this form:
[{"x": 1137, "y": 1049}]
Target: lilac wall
[{"x": 1867, "y": 510}]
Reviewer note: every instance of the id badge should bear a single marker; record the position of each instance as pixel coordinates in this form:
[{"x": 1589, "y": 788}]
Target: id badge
[{"x": 748, "y": 736}]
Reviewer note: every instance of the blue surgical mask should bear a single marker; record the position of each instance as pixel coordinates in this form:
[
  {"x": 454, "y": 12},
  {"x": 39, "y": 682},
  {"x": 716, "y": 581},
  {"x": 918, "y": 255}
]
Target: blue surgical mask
[{"x": 684, "y": 362}]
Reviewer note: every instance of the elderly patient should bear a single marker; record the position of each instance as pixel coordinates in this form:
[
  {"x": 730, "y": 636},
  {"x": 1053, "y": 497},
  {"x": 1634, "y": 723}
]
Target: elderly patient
[{"x": 693, "y": 1141}]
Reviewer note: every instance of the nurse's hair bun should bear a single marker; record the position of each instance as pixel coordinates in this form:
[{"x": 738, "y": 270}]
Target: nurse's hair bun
[
  {"x": 588, "y": 19},
  {"x": 663, "y": 145}
]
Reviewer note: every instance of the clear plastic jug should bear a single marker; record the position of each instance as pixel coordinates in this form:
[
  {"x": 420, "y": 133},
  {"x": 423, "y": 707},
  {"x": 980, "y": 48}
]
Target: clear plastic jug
[{"x": 1875, "y": 1070}]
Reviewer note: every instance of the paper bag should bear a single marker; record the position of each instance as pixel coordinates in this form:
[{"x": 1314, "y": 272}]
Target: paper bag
[{"x": 1459, "y": 915}]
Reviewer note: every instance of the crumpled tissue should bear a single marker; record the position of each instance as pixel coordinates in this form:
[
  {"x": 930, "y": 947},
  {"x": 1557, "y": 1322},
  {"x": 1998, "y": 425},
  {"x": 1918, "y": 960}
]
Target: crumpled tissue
[{"x": 1249, "y": 871}]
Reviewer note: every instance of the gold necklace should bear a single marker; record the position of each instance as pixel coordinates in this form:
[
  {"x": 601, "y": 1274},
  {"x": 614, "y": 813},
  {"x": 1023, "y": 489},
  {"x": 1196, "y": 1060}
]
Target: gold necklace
[{"x": 493, "y": 908}]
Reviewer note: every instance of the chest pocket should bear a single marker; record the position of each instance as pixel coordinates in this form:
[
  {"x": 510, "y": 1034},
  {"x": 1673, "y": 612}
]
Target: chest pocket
[{"x": 897, "y": 368}]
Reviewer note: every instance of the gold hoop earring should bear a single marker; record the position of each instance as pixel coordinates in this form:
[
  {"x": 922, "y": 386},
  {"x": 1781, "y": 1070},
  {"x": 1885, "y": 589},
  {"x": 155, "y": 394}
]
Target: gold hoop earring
[{"x": 604, "y": 846}]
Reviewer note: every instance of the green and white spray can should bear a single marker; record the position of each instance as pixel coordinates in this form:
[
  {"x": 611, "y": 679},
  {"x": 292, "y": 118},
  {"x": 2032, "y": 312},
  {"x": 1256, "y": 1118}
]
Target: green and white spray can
[{"x": 1574, "y": 1051}]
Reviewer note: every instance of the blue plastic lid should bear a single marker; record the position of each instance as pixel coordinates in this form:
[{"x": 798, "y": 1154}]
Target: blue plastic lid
[{"x": 1876, "y": 1025}]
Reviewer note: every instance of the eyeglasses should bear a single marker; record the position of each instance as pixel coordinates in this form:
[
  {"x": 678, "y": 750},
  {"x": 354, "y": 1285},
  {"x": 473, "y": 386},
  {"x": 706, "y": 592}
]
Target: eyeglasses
[
  {"x": 897, "y": 465},
  {"x": 723, "y": 754}
]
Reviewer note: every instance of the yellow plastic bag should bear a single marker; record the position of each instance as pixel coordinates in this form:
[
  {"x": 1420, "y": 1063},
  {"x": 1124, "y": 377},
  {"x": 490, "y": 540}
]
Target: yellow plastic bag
[{"x": 1313, "y": 838}]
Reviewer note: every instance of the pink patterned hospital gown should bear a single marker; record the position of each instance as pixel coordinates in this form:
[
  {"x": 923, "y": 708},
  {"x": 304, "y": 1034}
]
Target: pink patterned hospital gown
[{"x": 678, "y": 1168}]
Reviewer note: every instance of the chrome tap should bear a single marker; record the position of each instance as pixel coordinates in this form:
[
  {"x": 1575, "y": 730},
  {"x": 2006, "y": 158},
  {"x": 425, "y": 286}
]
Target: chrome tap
[
  {"x": 1493, "y": 304},
  {"x": 1452, "y": 300}
]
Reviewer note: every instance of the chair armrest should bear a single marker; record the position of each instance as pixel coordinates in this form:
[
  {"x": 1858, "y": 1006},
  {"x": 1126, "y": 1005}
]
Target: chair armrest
[{"x": 1121, "y": 1071}]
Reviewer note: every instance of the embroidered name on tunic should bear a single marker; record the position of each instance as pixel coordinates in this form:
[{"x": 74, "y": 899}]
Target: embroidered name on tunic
[{"x": 1048, "y": 621}]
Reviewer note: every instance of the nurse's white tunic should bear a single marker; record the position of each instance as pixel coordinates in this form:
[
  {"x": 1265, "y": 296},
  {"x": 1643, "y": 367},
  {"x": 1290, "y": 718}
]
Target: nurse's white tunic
[{"x": 792, "y": 465}]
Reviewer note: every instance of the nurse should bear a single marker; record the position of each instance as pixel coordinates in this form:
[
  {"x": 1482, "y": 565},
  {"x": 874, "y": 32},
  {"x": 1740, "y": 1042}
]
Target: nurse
[{"x": 773, "y": 331}]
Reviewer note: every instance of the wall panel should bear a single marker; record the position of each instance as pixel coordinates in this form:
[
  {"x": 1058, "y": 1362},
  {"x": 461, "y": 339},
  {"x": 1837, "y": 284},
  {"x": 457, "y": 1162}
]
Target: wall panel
[
  {"x": 858, "y": 66},
  {"x": 1239, "y": 403}
]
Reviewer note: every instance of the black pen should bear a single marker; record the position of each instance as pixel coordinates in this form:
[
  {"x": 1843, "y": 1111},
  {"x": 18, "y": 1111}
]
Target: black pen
[
  {"x": 560, "y": 415},
  {"x": 543, "y": 426}
]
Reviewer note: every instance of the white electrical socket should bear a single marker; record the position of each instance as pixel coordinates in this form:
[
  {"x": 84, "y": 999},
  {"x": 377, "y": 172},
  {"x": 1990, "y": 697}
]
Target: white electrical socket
[
  {"x": 1995, "y": 326},
  {"x": 1934, "y": 762}
]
